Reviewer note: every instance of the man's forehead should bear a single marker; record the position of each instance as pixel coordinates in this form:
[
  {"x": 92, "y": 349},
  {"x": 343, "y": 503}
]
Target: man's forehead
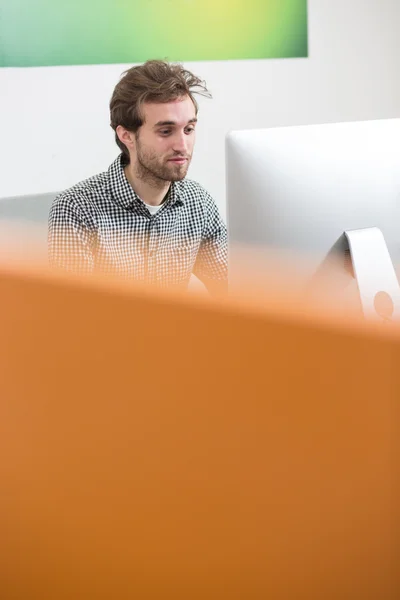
[{"x": 178, "y": 111}]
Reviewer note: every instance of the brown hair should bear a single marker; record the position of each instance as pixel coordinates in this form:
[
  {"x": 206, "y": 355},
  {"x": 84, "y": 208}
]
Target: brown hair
[{"x": 154, "y": 81}]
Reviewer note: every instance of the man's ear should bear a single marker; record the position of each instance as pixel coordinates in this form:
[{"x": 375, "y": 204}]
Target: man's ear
[{"x": 126, "y": 137}]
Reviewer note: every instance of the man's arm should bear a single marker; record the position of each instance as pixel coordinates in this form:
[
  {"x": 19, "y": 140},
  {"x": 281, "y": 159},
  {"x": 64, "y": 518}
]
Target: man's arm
[
  {"x": 211, "y": 265},
  {"x": 70, "y": 236}
]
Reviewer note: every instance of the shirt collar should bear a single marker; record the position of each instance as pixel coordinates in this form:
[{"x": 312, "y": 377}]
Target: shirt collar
[{"x": 123, "y": 193}]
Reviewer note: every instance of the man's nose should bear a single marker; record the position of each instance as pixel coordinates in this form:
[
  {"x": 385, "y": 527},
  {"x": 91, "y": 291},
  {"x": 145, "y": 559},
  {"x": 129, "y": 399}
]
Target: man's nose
[{"x": 180, "y": 143}]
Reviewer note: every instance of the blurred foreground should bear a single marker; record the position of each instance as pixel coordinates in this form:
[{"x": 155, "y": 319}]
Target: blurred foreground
[{"x": 164, "y": 444}]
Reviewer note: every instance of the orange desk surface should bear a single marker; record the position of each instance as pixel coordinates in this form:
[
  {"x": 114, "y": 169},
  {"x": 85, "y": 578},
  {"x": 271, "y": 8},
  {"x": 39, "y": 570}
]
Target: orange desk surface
[{"x": 158, "y": 446}]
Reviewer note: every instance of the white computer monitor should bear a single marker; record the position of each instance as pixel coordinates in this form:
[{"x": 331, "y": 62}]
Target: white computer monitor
[{"x": 298, "y": 189}]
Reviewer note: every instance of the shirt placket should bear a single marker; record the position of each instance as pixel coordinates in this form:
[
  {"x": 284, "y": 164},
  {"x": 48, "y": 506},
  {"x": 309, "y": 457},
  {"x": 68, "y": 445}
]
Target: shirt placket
[{"x": 152, "y": 249}]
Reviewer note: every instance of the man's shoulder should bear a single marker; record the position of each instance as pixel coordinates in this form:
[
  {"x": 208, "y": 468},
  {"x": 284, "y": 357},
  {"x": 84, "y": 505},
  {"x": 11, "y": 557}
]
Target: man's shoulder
[
  {"x": 83, "y": 195},
  {"x": 195, "y": 192}
]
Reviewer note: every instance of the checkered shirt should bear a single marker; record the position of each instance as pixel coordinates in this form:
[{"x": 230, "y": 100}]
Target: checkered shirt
[{"x": 101, "y": 225}]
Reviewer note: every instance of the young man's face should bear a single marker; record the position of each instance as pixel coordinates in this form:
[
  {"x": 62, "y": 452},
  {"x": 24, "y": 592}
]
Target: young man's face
[{"x": 164, "y": 143}]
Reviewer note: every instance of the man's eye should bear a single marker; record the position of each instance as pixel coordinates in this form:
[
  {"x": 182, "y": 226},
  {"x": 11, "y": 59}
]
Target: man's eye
[
  {"x": 165, "y": 131},
  {"x": 189, "y": 129}
]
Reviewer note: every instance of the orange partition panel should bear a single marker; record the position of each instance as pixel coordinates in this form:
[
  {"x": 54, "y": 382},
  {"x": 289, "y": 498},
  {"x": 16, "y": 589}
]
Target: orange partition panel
[{"x": 163, "y": 446}]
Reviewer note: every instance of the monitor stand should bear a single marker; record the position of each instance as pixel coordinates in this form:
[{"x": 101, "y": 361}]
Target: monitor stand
[{"x": 376, "y": 277}]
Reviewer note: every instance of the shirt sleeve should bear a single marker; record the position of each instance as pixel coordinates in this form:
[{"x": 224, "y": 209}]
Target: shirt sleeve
[
  {"x": 211, "y": 265},
  {"x": 71, "y": 236}
]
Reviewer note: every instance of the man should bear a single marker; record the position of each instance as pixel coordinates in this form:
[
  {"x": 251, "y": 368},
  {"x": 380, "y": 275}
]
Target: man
[{"x": 142, "y": 219}]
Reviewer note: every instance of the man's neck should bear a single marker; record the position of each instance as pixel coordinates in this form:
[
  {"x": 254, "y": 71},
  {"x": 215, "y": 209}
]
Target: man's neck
[{"x": 151, "y": 190}]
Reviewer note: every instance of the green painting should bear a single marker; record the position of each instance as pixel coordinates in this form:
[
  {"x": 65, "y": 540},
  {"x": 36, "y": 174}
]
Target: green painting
[{"x": 81, "y": 32}]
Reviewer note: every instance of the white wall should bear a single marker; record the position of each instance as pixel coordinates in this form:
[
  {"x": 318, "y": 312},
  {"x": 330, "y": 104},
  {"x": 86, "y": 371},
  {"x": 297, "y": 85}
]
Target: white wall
[{"x": 54, "y": 121}]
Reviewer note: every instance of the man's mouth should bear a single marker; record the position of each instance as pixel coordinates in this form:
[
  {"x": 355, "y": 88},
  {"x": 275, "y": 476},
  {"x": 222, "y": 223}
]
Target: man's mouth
[{"x": 179, "y": 160}]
